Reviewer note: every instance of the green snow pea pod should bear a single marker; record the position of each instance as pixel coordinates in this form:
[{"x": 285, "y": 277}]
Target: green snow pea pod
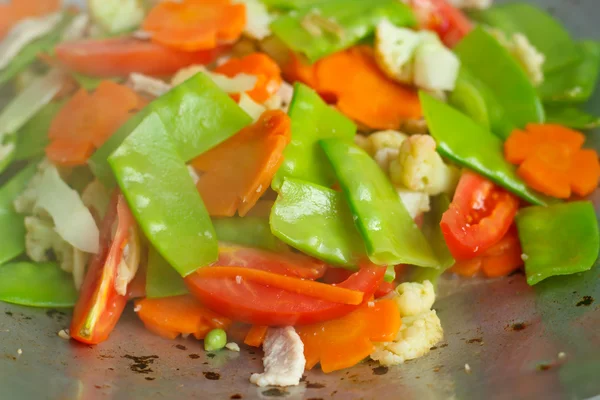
[
  {"x": 32, "y": 138},
  {"x": 542, "y": 30},
  {"x": 312, "y": 120},
  {"x": 481, "y": 53},
  {"x": 561, "y": 239},
  {"x": 572, "y": 117},
  {"x": 329, "y": 26},
  {"x": 196, "y": 114},
  {"x": 30, "y": 52},
  {"x": 163, "y": 197},
  {"x": 575, "y": 83},
  {"x": 474, "y": 98},
  {"x": 317, "y": 221},
  {"x": 36, "y": 285},
  {"x": 161, "y": 279},
  {"x": 292, "y": 4},
  {"x": 390, "y": 234},
  {"x": 12, "y": 229},
  {"x": 466, "y": 143},
  {"x": 247, "y": 231}
]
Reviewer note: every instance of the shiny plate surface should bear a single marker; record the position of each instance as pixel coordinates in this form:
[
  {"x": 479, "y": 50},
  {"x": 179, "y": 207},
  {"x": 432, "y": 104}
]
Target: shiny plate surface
[{"x": 519, "y": 342}]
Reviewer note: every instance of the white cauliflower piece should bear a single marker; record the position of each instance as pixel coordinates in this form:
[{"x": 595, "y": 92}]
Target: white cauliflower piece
[
  {"x": 435, "y": 66},
  {"x": 477, "y": 4},
  {"x": 41, "y": 239},
  {"x": 394, "y": 50},
  {"x": 414, "y": 298},
  {"x": 530, "y": 59},
  {"x": 364, "y": 143},
  {"x": 416, "y": 203},
  {"x": 416, "y": 337},
  {"x": 420, "y": 168},
  {"x": 284, "y": 360},
  {"x": 258, "y": 19},
  {"x": 282, "y": 99},
  {"x": 387, "y": 139},
  {"x": 384, "y": 156}
]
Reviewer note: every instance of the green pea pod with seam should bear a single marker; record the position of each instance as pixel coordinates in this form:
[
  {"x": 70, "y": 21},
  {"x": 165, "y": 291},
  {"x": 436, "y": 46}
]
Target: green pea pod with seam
[
  {"x": 196, "y": 114},
  {"x": 491, "y": 63},
  {"x": 390, "y": 234},
  {"x": 329, "y": 26},
  {"x": 561, "y": 239},
  {"x": 247, "y": 231},
  {"x": 12, "y": 228},
  {"x": 572, "y": 117},
  {"x": 312, "y": 120},
  {"x": 30, "y": 52},
  {"x": 291, "y": 4},
  {"x": 575, "y": 83},
  {"x": 475, "y": 99},
  {"x": 36, "y": 285},
  {"x": 163, "y": 198},
  {"x": 32, "y": 138},
  {"x": 317, "y": 221},
  {"x": 542, "y": 30},
  {"x": 465, "y": 142},
  {"x": 162, "y": 280}
]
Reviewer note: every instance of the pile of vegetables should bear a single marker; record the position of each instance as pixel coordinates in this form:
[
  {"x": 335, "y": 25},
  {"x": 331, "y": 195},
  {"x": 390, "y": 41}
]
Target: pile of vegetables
[{"x": 288, "y": 163}]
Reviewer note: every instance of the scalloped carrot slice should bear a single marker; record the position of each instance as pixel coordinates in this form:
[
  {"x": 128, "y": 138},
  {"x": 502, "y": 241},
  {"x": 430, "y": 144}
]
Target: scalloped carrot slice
[
  {"x": 584, "y": 172},
  {"x": 547, "y": 170},
  {"x": 16, "y": 10},
  {"x": 236, "y": 173},
  {"x": 518, "y": 146},
  {"x": 260, "y": 65},
  {"x": 192, "y": 25},
  {"x": 570, "y": 139}
]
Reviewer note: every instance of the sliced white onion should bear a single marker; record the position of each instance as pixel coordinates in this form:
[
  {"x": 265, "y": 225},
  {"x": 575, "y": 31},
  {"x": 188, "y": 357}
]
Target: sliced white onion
[
  {"x": 146, "y": 84},
  {"x": 72, "y": 219},
  {"x": 77, "y": 28},
  {"x": 251, "y": 107}
]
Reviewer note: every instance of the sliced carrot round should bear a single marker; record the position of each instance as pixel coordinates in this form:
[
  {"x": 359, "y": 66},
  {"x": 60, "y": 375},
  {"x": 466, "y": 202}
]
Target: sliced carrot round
[{"x": 584, "y": 172}]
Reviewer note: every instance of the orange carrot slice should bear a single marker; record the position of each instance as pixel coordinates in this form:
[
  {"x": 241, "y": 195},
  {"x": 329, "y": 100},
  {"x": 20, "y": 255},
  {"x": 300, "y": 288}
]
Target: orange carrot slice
[
  {"x": 547, "y": 170},
  {"x": 584, "y": 172},
  {"x": 344, "y": 342},
  {"x": 192, "y": 25},
  {"x": 171, "y": 316},
  {"x": 256, "y": 335},
  {"x": 237, "y": 172},
  {"x": 297, "y": 69},
  {"x": 16, "y": 10},
  {"x": 267, "y": 72},
  {"x": 306, "y": 287},
  {"x": 518, "y": 146},
  {"x": 558, "y": 134},
  {"x": 364, "y": 93}
]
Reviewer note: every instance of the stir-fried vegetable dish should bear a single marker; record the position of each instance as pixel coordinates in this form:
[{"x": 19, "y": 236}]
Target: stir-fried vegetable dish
[{"x": 302, "y": 171}]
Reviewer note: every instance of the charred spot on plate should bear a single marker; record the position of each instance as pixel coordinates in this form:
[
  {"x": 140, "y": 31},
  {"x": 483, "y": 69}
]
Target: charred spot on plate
[
  {"x": 518, "y": 271},
  {"x": 381, "y": 370},
  {"x": 55, "y": 314},
  {"x": 315, "y": 398},
  {"x": 443, "y": 345},
  {"x": 149, "y": 378},
  {"x": 544, "y": 367},
  {"x": 213, "y": 376},
  {"x": 274, "y": 392},
  {"x": 180, "y": 347},
  {"x": 475, "y": 340},
  {"x": 519, "y": 326},
  {"x": 314, "y": 385},
  {"x": 141, "y": 364},
  {"x": 585, "y": 301},
  {"x": 194, "y": 356},
  {"x": 235, "y": 396},
  {"x": 210, "y": 355},
  {"x": 437, "y": 368},
  {"x": 10, "y": 314}
]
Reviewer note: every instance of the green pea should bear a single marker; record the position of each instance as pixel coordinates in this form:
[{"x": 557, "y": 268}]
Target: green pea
[{"x": 215, "y": 340}]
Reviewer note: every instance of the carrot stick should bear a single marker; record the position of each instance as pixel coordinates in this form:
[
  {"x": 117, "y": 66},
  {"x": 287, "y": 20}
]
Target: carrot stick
[
  {"x": 236, "y": 173},
  {"x": 256, "y": 335},
  {"x": 310, "y": 288}
]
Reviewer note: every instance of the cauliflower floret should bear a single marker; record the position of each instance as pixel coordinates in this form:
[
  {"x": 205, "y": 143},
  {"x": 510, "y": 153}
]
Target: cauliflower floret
[
  {"x": 258, "y": 19},
  {"x": 41, "y": 239},
  {"x": 530, "y": 59},
  {"x": 415, "y": 203},
  {"x": 414, "y": 298},
  {"x": 395, "y": 48},
  {"x": 435, "y": 66},
  {"x": 420, "y": 168},
  {"x": 384, "y": 156},
  {"x": 416, "y": 337},
  {"x": 478, "y": 4},
  {"x": 282, "y": 99},
  {"x": 364, "y": 143},
  {"x": 387, "y": 139}
]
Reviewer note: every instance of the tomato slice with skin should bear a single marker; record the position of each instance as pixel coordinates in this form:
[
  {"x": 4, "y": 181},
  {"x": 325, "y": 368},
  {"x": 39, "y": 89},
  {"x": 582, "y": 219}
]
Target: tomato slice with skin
[
  {"x": 450, "y": 23},
  {"x": 123, "y": 56},
  {"x": 337, "y": 275},
  {"x": 256, "y": 304},
  {"x": 99, "y": 305},
  {"x": 479, "y": 216}
]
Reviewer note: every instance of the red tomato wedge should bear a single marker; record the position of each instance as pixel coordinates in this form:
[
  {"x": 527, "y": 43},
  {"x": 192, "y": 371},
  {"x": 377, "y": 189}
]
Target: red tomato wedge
[
  {"x": 337, "y": 275},
  {"x": 122, "y": 56},
  {"x": 288, "y": 263},
  {"x": 99, "y": 305},
  {"x": 479, "y": 216},
  {"x": 447, "y": 21},
  {"x": 257, "y": 304}
]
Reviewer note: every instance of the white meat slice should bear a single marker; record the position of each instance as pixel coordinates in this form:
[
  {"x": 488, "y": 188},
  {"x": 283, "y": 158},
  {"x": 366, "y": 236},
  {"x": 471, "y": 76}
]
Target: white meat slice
[{"x": 284, "y": 360}]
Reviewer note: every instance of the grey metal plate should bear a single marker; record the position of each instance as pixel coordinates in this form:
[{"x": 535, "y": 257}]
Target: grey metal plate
[{"x": 509, "y": 333}]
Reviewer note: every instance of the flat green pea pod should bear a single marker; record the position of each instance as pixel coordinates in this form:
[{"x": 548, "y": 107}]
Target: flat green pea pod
[
  {"x": 161, "y": 279},
  {"x": 433, "y": 233},
  {"x": 463, "y": 141},
  {"x": 474, "y": 98},
  {"x": 575, "y": 83},
  {"x": 312, "y": 120},
  {"x": 328, "y": 26},
  {"x": 12, "y": 228},
  {"x": 572, "y": 117},
  {"x": 163, "y": 198},
  {"x": 390, "y": 235},
  {"x": 291, "y": 4},
  {"x": 32, "y": 138},
  {"x": 197, "y": 114},
  {"x": 247, "y": 231},
  {"x": 317, "y": 221},
  {"x": 561, "y": 239},
  {"x": 36, "y": 285},
  {"x": 30, "y": 52},
  {"x": 542, "y": 30},
  {"x": 485, "y": 57}
]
